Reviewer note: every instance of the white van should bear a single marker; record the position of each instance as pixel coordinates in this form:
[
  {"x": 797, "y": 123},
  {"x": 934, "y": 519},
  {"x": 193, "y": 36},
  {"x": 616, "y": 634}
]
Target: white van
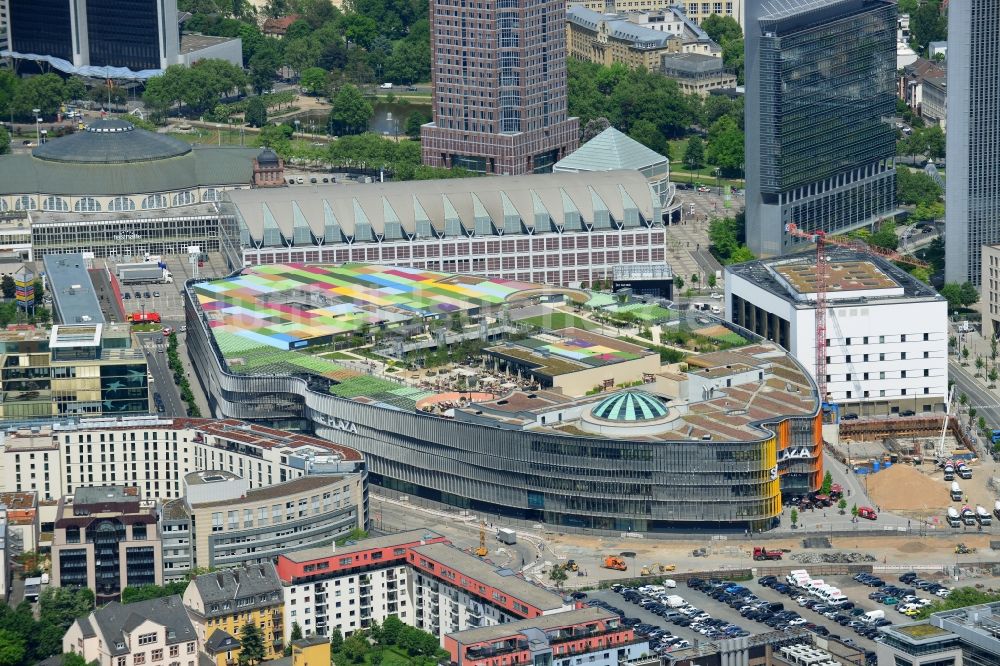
[
  {"x": 814, "y": 585},
  {"x": 797, "y": 575}
]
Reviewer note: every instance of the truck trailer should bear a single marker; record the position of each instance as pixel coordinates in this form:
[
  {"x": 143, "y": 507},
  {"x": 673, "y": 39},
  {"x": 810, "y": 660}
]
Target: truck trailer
[
  {"x": 506, "y": 536},
  {"x": 144, "y": 273}
]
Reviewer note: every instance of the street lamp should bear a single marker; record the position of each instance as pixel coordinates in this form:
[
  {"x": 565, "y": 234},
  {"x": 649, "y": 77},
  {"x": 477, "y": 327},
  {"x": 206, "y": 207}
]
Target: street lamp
[{"x": 38, "y": 135}]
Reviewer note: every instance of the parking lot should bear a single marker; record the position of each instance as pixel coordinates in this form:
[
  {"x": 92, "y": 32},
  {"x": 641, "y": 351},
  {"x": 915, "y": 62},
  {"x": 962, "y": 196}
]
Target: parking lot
[{"x": 714, "y": 609}]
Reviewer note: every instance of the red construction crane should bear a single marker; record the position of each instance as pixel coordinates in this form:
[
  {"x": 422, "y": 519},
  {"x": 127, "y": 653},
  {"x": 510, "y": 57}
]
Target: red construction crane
[{"x": 822, "y": 273}]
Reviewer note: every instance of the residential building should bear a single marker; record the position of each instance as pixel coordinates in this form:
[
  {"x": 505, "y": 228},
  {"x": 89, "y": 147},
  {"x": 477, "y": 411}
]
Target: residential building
[
  {"x": 154, "y": 455},
  {"x": 144, "y": 632},
  {"x": 819, "y": 88},
  {"x": 592, "y": 635},
  {"x": 972, "y": 190},
  {"x": 102, "y": 37},
  {"x": 968, "y": 636},
  {"x": 887, "y": 332},
  {"x": 349, "y": 587},
  {"x": 612, "y": 150},
  {"x": 230, "y": 524},
  {"x": 499, "y": 87},
  {"x": 697, "y": 74},
  {"x": 694, "y": 10},
  {"x": 417, "y": 576},
  {"x": 277, "y": 27},
  {"x": 934, "y": 109},
  {"x": 911, "y": 82},
  {"x": 106, "y": 538},
  {"x": 559, "y": 228},
  {"x": 221, "y": 603},
  {"x": 22, "y": 521},
  {"x": 636, "y": 39}
]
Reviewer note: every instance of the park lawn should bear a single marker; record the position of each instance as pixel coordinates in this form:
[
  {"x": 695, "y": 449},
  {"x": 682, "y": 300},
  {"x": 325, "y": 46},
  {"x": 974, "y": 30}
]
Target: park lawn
[
  {"x": 339, "y": 356},
  {"x": 200, "y": 135},
  {"x": 390, "y": 657},
  {"x": 559, "y": 320}
]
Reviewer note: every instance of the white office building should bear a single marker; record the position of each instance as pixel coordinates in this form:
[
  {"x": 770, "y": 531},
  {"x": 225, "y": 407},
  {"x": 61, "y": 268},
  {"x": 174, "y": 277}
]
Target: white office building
[{"x": 886, "y": 334}]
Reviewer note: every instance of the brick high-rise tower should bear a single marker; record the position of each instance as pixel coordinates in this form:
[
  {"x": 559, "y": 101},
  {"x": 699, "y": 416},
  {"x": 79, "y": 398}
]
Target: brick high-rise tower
[{"x": 499, "y": 79}]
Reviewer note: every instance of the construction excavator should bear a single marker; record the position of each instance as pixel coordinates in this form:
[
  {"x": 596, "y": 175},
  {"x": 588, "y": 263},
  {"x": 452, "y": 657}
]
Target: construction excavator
[
  {"x": 614, "y": 562},
  {"x": 482, "y": 551}
]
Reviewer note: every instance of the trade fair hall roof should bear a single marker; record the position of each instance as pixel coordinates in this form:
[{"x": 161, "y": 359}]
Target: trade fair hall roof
[
  {"x": 114, "y": 158},
  {"x": 610, "y": 150},
  {"x": 486, "y": 206},
  {"x": 111, "y": 141}
]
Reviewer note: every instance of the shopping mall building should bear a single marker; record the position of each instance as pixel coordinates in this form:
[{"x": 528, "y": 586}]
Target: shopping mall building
[{"x": 714, "y": 446}]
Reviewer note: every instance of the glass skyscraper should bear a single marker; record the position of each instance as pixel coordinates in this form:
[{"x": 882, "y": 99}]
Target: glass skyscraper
[
  {"x": 972, "y": 190},
  {"x": 820, "y": 96}
]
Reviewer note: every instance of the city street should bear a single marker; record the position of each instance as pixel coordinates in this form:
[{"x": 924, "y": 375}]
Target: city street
[{"x": 163, "y": 378}]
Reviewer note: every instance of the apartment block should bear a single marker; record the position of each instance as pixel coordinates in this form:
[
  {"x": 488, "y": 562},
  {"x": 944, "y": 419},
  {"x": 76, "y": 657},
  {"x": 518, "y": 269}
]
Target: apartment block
[
  {"x": 416, "y": 575},
  {"x": 222, "y": 602},
  {"x": 106, "y": 538}
]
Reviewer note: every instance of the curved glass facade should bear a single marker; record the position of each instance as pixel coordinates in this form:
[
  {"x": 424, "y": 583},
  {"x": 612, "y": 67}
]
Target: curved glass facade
[{"x": 588, "y": 482}]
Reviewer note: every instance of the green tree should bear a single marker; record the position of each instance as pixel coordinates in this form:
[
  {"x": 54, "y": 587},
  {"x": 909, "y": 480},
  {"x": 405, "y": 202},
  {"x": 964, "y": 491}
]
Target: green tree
[
  {"x": 414, "y": 121},
  {"x": 12, "y": 648},
  {"x": 251, "y": 645},
  {"x": 725, "y": 146},
  {"x": 44, "y": 92},
  {"x": 264, "y": 68},
  {"x": 979, "y": 369},
  {"x": 722, "y": 28},
  {"x": 392, "y": 629},
  {"x": 795, "y": 516},
  {"x": 4, "y": 141},
  {"x": 350, "y": 111},
  {"x": 678, "y": 282},
  {"x": 300, "y": 54},
  {"x": 885, "y": 237},
  {"x": 145, "y": 592},
  {"x": 927, "y": 24},
  {"x": 931, "y": 140},
  {"x": 61, "y": 605},
  {"x": 854, "y": 510},
  {"x": 959, "y": 295},
  {"x": 646, "y": 133},
  {"x": 75, "y": 88},
  {"x": 982, "y": 420},
  {"x": 557, "y": 575},
  {"x": 916, "y": 187},
  {"x": 336, "y": 640},
  {"x": 313, "y": 80},
  {"x": 959, "y": 598},
  {"x": 993, "y": 375},
  {"x": 296, "y": 631},
  {"x": 827, "y": 484},
  {"x": 908, "y": 6},
  {"x": 9, "y": 83},
  {"x": 356, "y": 647},
  {"x": 256, "y": 113},
  {"x": 732, "y": 57},
  {"x": 694, "y": 153},
  {"x": 929, "y": 212},
  {"x": 842, "y": 505},
  {"x": 712, "y": 281}
]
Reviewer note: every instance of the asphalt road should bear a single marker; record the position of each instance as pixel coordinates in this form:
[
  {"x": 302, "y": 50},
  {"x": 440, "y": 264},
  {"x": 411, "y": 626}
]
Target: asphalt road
[
  {"x": 163, "y": 379},
  {"x": 982, "y": 399}
]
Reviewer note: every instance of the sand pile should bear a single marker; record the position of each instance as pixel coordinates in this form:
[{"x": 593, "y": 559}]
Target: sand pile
[{"x": 903, "y": 488}]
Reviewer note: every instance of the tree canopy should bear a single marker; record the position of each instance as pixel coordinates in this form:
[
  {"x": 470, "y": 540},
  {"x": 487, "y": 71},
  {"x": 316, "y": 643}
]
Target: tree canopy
[
  {"x": 928, "y": 24},
  {"x": 959, "y": 295},
  {"x": 350, "y": 111},
  {"x": 916, "y": 187}
]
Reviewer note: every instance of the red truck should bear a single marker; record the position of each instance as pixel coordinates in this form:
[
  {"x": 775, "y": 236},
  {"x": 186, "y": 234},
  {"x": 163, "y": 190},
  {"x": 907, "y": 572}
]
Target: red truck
[
  {"x": 144, "y": 318},
  {"x": 867, "y": 512},
  {"x": 765, "y": 554}
]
